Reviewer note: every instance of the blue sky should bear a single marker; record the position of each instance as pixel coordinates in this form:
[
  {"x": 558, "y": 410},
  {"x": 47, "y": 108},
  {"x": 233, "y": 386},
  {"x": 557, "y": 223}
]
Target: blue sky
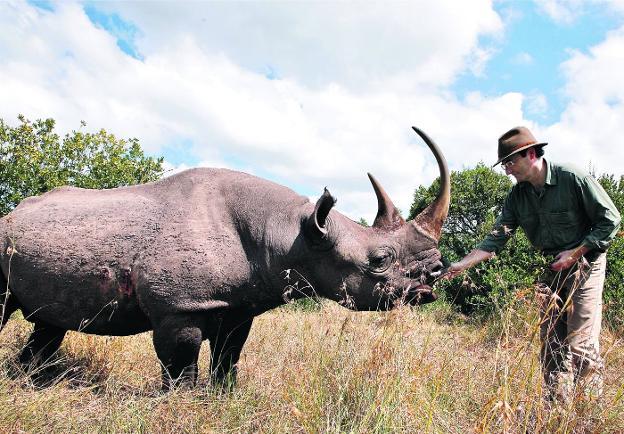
[
  {"x": 528, "y": 56},
  {"x": 315, "y": 94},
  {"x": 125, "y": 32}
]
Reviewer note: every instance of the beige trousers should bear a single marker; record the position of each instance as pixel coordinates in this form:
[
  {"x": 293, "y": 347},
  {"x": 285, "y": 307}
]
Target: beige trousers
[{"x": 571, "y": 317}]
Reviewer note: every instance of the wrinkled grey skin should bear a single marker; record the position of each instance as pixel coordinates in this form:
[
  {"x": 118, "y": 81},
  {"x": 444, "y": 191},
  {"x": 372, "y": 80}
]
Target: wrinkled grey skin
[{"x": 197, "y": 256}]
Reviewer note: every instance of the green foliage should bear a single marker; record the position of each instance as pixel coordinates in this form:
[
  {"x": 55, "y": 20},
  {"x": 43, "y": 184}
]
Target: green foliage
[
  {"x": 306, "y": 304},
  {"x": 476, "y": 199},
  {"x": 614, "y": 282},
  {"x": 477, "y": 196},
  {"x": 34, "y": 159}
]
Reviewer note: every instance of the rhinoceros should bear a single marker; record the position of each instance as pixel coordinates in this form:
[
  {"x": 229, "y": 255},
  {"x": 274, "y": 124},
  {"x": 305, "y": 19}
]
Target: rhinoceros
[{"x": 198, "y": 255}]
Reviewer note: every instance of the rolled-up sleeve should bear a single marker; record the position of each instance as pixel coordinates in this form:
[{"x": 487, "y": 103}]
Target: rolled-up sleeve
[
  {"x": 602, "y": 212},
  {"x": 504, "y": 227}
]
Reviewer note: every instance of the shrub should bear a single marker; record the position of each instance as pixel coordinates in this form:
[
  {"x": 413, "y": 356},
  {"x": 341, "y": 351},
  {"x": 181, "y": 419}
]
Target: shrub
[
  {"x": 477, "y": 196},
  {"x": 34, "y": 159}
]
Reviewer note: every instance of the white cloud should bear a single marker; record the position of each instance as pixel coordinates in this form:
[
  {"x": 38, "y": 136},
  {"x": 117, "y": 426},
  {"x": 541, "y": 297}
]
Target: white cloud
[
  {"x": 536, "y": 104},
  {"x": 566, "y": 12},
  {"x": 522, "y": 59},
  {"x": 590, "y": 127},
  {"x": 561, "y": 11},
  {"x": 357, "y": 45},
  {"x": 616, "y": 5},
  {"x": 352, "y": 80}
]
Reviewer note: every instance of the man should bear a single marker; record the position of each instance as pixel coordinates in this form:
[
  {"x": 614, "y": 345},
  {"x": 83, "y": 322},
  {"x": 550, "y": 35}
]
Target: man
[{"x": 564, "y": 212}]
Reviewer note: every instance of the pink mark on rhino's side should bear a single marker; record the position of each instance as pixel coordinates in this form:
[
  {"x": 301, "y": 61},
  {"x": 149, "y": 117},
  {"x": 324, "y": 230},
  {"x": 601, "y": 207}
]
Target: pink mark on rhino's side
[
  {"x": 126, "y": 281},
  {"x": 105, "y": 278}
]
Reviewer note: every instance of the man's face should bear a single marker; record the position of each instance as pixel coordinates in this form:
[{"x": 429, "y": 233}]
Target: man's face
[{"x": 517, "y": 166}]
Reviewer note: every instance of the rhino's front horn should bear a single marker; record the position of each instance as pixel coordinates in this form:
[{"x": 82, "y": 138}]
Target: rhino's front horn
[
  {"x": 431, "y": 219},
  {"x": 388, "y": 216}
]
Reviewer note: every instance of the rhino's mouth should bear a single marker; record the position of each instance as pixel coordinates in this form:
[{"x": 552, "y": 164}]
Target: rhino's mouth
[
  {"x": 420, "y": 290},
  {"x": 408, "y": 289},
  {"x": 419, "y": 294}
]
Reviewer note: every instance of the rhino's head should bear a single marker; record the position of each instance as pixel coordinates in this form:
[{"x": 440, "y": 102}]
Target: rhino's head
[{"x": 392, "y": 262}]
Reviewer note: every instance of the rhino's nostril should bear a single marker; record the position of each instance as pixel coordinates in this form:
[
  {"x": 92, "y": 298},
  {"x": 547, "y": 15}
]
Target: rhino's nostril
[{"x": 436, "y": 268}]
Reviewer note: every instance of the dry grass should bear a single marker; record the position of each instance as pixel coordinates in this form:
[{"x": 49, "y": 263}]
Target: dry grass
[{"x": 326, "y": 371}]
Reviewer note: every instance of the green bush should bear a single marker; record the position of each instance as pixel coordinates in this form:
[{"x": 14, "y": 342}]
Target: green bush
[
  {"x": 34, "y": 159},
  {"x": 614, "y": 283},
  {"x": 477, "y": 196}
]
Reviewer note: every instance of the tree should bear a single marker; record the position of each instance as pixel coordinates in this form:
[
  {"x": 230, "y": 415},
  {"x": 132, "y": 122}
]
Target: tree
[
  {"x": 613, "y": 289},
  {"x": 477, "y": 196},
  {"x": 33, "y": 160}
]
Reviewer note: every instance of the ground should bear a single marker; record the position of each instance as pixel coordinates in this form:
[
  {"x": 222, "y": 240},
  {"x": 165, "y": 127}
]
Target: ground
[{"x": 317, "y": 370}]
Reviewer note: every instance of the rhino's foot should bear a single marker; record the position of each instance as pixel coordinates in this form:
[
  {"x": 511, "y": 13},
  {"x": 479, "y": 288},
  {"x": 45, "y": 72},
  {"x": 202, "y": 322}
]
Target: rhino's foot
[{"x": 187, "y": 378}]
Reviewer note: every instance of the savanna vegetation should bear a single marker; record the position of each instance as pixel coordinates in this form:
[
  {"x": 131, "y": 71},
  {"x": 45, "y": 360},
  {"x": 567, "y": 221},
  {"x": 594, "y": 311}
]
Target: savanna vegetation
[
  {"x": 330, "y": 370},
  {"x": 467, "y": 363},
  {"x": 34, "y": 159},
  {"x": 476, "y": 200}
]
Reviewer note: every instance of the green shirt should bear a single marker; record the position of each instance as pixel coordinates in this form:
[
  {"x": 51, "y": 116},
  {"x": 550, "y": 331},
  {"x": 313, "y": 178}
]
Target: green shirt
[{"x": 573, "y": 209}]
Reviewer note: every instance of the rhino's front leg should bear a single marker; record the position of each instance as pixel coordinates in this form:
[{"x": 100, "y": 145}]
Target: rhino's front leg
[
  {"x": 227, "y": 338},
  {"x": 177, "y": 340}
]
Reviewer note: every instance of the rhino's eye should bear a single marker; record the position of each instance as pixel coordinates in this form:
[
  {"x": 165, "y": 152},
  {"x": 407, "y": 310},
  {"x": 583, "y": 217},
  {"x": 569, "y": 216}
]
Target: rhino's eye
[{"x": 380, "y": 260}]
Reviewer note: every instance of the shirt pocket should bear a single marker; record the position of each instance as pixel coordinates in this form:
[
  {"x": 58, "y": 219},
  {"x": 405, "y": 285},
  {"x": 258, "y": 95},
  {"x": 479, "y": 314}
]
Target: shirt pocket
[
  {"x": 561, "y": 219},
  {"x": 563, "y": 227}
]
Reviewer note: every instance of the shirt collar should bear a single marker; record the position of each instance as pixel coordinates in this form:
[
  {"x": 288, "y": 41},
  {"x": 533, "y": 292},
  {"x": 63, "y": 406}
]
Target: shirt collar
[{"x": 551, "y": 174}]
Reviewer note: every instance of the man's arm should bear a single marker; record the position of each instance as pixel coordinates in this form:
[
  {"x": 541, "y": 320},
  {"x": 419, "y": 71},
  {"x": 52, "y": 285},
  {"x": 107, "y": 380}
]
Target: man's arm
[
  {"x": 602, "y": 212},
  {"x": 605, "y": 223},
  {"x": 503, "y": 229},
  {"x": 470, "y": 260}
]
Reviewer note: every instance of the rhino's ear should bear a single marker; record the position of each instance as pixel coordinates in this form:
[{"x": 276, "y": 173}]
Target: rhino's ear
[{"x": 316, "y": 226}]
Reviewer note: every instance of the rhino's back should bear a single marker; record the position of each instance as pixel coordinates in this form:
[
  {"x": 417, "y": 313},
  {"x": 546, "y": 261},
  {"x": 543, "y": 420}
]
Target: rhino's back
[{"x": 85, "y": 221}]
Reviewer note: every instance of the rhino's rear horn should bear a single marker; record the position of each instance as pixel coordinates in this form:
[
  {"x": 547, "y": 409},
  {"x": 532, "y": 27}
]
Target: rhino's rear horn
[
  {"x": 388, "y": 216},
  {"x": 317, "y": 223}
]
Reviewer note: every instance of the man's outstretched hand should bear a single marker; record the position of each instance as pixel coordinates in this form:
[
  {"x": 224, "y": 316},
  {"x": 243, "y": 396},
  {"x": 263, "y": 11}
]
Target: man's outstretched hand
[{"x": 470, "y": 260}]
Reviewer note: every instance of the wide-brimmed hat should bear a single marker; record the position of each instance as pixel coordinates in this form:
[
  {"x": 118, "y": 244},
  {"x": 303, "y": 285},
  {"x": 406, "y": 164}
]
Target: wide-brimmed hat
[{"x": 515, "y": 140}]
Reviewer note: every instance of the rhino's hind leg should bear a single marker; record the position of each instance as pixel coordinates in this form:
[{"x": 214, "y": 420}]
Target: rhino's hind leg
[
  {"x": 177, "y": 340},
  {"x": 43, "y": 343},
  {"x": 226, "y": 342},
  {"x": 8, "y": 305}
]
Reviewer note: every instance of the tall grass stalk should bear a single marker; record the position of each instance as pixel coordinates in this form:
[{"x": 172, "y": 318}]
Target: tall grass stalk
[{"x": 321, "y": 370}]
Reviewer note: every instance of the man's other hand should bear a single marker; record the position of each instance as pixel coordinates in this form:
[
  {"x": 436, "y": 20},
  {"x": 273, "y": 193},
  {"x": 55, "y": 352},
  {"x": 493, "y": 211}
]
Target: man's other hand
[{"x": 567, "y": 258}]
